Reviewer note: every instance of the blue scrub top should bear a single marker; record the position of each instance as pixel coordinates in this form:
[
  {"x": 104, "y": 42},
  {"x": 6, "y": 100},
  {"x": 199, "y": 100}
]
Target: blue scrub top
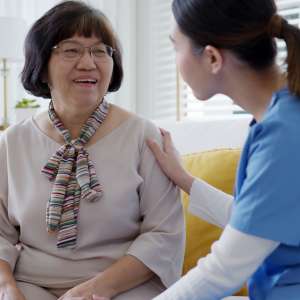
[{"x": 267, "y": 197}]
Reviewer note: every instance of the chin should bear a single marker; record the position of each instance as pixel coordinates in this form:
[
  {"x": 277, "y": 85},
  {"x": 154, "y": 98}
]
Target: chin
[
  {"x": 85, "y": 102},
  {"x": 201, "y": 96}
]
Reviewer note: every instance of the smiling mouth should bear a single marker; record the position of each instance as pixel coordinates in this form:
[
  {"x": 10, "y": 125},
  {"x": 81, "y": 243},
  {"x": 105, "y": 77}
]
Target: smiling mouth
[{"x": 86, "y": 81}]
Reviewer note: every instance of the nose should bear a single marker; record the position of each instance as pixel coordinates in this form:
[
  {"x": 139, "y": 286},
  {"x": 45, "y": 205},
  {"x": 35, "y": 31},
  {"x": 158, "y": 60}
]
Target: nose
[{"x": 86, "y": 61}]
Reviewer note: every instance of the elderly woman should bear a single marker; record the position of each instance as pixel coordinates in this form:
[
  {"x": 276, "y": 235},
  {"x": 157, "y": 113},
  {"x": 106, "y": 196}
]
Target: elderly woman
[{"x": 81, "y": 195}]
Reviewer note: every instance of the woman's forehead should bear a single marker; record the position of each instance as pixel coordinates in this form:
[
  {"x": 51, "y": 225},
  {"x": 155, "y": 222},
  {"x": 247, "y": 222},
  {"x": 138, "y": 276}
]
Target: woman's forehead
[{"x": 81, "y": 38}]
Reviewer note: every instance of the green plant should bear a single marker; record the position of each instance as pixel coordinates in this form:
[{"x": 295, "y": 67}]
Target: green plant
[{"x": 27, "y": 103}]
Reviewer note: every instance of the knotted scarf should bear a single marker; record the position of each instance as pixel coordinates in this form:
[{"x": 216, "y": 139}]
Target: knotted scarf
[{"x": 74, "y": 177}]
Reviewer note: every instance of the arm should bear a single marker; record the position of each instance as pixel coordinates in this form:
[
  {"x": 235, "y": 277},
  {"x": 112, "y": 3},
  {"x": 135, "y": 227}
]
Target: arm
[
  {"x": 8, "y": 286},
  {"x": 162, "y": 227},
  {"x": 161, "y": 231},
  {"x": 210, "y": 204},
  {"x": 8, "y": 236},
  {"x": 206, "y": 201},
  {"x": 6, "y": 275},
  {"x": 126, "y": 273},
  {"x": 170, "y": 163},
  {"x": 231, "y": 262}
]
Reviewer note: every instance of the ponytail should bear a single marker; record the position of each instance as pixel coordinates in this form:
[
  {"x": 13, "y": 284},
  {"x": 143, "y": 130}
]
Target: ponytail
[
  {"x": 279, "y": 28},
  {"x": 291, "y": 35}
]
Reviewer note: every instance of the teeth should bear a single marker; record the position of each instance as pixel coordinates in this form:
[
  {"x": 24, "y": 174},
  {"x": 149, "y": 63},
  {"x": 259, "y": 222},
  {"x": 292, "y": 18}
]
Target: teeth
[{"x": 86, "y": 81}]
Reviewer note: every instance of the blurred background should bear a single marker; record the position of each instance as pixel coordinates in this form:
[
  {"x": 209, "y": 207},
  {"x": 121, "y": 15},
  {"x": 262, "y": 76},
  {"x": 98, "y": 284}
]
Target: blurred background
[{"x": 151, "y": 87}]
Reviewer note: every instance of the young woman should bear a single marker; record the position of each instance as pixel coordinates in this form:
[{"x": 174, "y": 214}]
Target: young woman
[{"x": 228, "y": 47}]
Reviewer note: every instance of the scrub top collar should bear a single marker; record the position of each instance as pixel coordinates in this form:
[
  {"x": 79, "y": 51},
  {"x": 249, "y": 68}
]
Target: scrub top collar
[{"x": 274, "y": 98}]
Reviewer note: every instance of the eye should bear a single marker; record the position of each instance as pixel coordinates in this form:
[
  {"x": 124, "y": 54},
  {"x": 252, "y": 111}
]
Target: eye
[
  {"x": 99, "y": 51},
  {"x": 71, "y": 50}
]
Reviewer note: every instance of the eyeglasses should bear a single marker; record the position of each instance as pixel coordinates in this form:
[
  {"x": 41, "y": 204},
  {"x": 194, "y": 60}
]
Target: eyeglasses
[{"x": 73, "y": 51}]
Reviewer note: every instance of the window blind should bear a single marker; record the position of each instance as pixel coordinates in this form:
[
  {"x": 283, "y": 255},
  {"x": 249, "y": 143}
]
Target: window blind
[
  {"x": 222, "y": 106},
  {"x": 164, "y": 79},
  {"x": 168, "y": 89}
]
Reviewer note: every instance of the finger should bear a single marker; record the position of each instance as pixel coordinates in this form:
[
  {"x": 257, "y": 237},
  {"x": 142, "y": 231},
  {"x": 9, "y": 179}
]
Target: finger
[
  {"x": 156, "y": 150},
  {"x": 167, "y": 141},
  {"x": 167, "y": 138},
  {"x": 162, "y": 130}
]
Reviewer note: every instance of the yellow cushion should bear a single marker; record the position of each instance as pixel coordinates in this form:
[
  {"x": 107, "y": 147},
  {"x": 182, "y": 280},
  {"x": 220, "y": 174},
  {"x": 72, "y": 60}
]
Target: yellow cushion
[{"x": 218, "y": 168}]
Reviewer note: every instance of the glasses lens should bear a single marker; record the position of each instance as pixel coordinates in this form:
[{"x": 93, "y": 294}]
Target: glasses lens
[
  {"x": 102, "y": 50},
  {"x": 70, "y": 50}
]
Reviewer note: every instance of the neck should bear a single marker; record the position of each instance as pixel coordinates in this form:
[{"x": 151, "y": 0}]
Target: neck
[
  {"x": 252, "y": 90},
  {"x": 73, "y": 118}
]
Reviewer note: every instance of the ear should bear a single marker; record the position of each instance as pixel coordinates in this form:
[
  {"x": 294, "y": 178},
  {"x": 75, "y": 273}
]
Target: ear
[{"x": 215, "y": 59}]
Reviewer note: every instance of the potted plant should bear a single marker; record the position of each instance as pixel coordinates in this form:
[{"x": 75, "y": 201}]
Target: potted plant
[{"x": 26, "y": 108}]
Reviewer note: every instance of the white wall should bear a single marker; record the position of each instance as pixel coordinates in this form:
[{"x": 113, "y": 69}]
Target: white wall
[
  {"x": 207, "y": 134},
  {"x": 123, "y": 17}
]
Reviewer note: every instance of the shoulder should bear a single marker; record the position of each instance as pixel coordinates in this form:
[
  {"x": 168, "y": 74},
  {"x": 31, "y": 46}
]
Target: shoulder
[
  {"x": 273, "y": 142},
  {"x": 135, "y": 123},
  {"x": 19, "y": 132},
  {"x": 137, "y": 129},
  {"x": 281, "y": 123}
]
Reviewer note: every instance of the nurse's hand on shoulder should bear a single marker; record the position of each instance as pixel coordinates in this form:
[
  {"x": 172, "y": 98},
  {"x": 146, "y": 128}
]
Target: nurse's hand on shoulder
[{"x": 169, "y": 161}]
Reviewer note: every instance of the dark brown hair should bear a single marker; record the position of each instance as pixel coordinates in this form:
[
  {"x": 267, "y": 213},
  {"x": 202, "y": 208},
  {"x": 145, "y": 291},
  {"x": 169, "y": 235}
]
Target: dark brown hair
[
  {"x": 246, "y": 27},
  {"x": 59, "y": 23}
]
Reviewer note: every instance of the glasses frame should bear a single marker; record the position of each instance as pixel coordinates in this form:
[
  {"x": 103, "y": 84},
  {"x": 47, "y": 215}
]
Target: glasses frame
[{"x": 110, "y": 51}]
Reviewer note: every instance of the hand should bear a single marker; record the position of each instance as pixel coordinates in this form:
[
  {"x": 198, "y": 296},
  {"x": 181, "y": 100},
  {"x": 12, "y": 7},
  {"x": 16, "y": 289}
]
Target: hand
[
  {"x": 11, "y": 292},
  {"x": 89, "y": 290},
  {"x": 170, "y": 163}
]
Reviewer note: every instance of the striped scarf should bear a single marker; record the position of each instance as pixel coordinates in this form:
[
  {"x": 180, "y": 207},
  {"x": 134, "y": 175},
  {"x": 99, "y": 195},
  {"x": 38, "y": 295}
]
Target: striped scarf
[{"x": 74, "y": 177}]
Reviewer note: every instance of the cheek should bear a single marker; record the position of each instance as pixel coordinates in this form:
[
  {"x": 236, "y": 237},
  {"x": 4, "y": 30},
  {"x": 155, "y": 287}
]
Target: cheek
[
  {"x": 58, "y": 83},
  {"x": 110, "y": 69},
  {"x": 188, "y": 68},
  {"x": 57, "y": 76},
  {"x": 110, "y": 72},
  {"x": 105, "y": 71},
  {"x": 193, "y": 73}
]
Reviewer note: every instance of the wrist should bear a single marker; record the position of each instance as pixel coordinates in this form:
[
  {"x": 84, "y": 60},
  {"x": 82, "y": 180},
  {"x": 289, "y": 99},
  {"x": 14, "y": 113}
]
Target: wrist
[
  {"x": 8, "y": 284},
  {"x": 185, "y": 181},
  {"x": 6, "y": 275},
  {"x": 7, "y": 281},
  {"x": 105, "y": 287}
]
